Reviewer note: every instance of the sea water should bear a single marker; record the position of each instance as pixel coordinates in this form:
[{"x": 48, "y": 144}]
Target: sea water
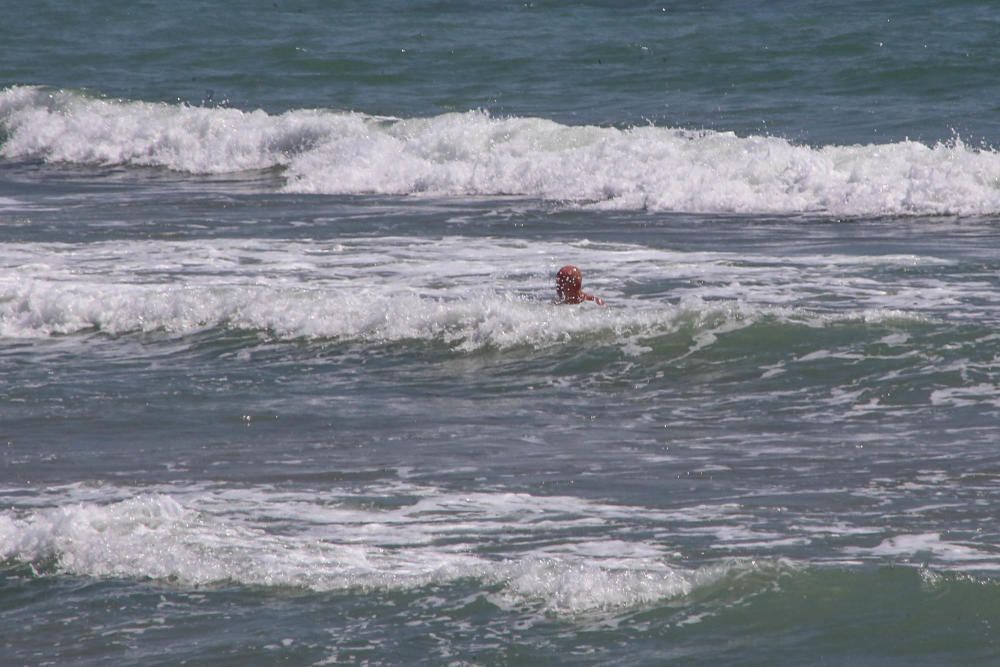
[{"x": 281, "y": 381}]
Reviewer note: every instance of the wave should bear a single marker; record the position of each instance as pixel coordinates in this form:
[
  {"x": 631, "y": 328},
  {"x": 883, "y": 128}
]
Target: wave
[
  {"x": 199, "y": 539},
  {"x": 486, "y": 319},
  {"x": 481, "y": 320},
  {"x": 467, "y": 294},
  {"x": 552, "y": 554},
  {"x": 476, "y": 154}
]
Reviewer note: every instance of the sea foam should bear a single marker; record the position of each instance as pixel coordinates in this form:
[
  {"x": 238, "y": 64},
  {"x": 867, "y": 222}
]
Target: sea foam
[
  {"x": 482, "y": 320},
  {"x": 469, "y": 294},
  {"x": 475, "y": 153},
  {"x": 199, "y": 538}
]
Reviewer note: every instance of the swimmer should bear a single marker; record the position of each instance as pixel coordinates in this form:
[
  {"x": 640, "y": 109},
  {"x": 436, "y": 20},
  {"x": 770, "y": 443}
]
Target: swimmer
[{"x": 569, "y": 283}]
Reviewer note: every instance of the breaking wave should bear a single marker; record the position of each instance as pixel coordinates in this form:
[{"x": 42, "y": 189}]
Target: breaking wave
[{"x": 476, "y": 154}]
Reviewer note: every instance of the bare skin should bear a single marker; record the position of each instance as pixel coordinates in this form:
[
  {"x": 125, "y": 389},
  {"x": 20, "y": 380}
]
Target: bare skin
[{"x": 569, "y": 287}]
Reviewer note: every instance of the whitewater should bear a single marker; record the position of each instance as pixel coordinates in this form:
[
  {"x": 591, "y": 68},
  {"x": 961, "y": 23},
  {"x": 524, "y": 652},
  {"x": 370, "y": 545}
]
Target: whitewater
[
  {"x": 282, "y": 379},
  {"x": 477, "y": 154}
]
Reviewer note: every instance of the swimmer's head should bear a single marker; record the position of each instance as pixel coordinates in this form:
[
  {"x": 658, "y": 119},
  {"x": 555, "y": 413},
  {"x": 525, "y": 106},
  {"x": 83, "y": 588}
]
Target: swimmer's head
[{"x": 569, "y": 281}]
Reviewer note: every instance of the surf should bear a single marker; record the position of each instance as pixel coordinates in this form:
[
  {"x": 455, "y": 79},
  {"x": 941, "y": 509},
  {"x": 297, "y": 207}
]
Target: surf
[{"x": 477, "y": 154}]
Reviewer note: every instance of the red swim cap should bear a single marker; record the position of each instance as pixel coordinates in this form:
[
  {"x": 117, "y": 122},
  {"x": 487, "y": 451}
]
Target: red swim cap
[{"x": 569, "y": 276}]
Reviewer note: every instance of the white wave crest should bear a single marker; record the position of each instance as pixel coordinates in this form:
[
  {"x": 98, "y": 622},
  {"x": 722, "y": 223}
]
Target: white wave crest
[
  {"x": 473, "y": 153},
  {"x": 483, "y": 319},
  {"x": 197, "y": 539},
  {"x": 469, "y": 294}
]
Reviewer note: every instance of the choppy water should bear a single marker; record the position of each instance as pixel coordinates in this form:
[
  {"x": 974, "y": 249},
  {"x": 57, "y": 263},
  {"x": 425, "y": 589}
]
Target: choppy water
[{"x": 281, "y": 382}]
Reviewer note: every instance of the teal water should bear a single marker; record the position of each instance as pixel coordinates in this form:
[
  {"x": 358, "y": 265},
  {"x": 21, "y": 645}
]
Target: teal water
[
  {"x": 816, "y": 72},
  {"x": 281, "y": 381}
]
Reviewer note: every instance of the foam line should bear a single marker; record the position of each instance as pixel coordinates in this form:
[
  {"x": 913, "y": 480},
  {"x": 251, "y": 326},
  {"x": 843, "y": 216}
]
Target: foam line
[
  {"x": 474, "y": 153},
  {"x": 196, "y": 539}
]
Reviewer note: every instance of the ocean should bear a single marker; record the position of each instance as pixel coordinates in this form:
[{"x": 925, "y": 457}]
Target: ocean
[{"x": 282, "y": 380}]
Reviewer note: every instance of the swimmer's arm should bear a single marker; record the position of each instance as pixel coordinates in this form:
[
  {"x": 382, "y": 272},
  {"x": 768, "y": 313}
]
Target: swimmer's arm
[{"x": 596, "y": 299}]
